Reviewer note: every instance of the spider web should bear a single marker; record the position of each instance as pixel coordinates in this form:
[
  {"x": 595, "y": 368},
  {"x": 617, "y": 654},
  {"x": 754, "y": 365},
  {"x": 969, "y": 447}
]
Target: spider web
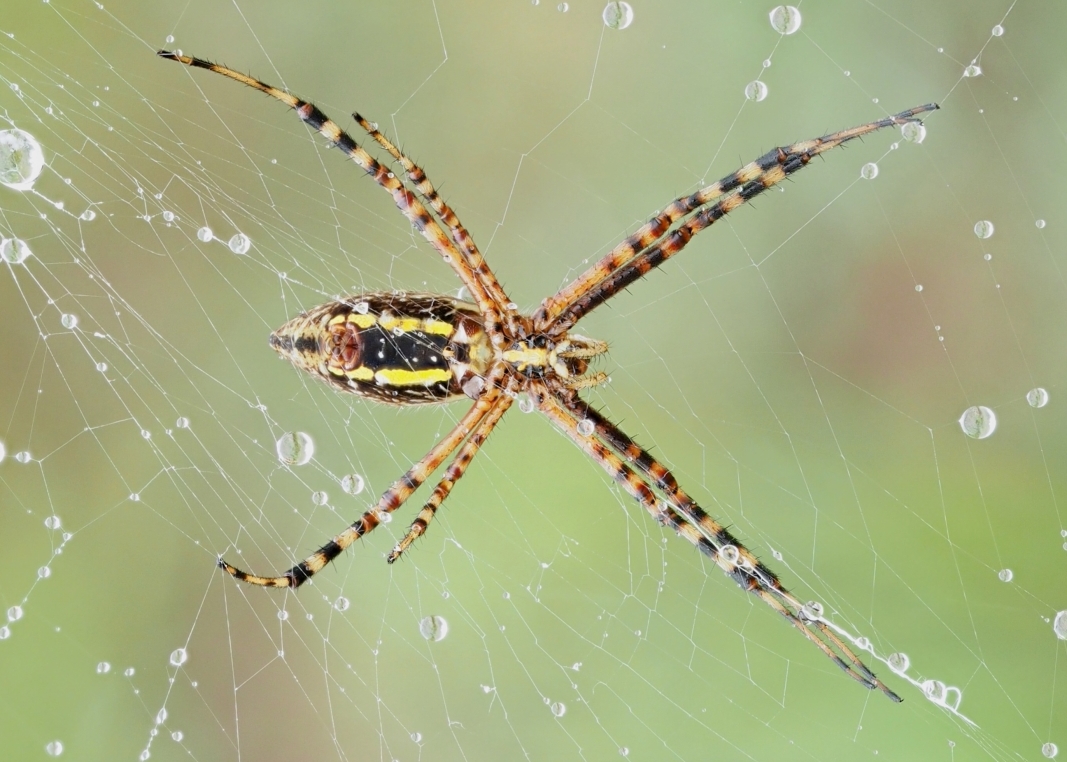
[{"x": 802, "y": 368}]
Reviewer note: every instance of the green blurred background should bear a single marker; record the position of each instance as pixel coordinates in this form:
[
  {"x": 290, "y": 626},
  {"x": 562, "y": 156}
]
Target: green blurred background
[{"x": 802, "y": 387}]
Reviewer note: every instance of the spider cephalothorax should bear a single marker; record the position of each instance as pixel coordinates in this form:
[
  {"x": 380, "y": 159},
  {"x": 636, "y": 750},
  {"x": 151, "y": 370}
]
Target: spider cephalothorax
[{"x": 406, "y": 348}]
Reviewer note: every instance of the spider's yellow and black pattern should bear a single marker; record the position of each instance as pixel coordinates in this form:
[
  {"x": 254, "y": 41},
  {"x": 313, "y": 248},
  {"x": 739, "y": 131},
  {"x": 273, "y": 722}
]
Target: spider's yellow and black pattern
[{"x": 411, "y": 348}]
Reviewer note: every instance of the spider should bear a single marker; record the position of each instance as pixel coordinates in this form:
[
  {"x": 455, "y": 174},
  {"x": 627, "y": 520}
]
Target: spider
[{"x": 415, "y": 348}]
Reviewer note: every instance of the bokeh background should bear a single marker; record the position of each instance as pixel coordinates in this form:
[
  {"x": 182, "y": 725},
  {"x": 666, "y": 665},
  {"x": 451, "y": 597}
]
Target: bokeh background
[{"x": 802, "y": 366}]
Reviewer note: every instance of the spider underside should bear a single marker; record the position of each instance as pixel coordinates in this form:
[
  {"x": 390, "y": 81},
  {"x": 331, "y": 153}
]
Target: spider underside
[{"x": 412, "y": 348}]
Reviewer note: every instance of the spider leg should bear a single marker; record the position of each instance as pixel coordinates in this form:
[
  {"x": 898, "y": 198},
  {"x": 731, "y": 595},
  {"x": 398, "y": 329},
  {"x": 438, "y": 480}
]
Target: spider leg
[
  {"x": 600, "y": 282},
  {"x": 392, "y": 499},
  {"x": 610, "y": 447},
  {"x": 453, "y": 473},
  {"x": 491, "y": 286},
  {"x": 404, "y": 199}
]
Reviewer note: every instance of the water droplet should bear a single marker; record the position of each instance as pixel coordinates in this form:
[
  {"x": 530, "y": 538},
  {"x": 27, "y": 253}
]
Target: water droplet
[
  {"x": 103, "y": 668},
  {"x": 240, "y": 243},
  {"x": 146, "y": 434},
  {"x": 1039, "y": 224},
  {"x": 384, "y": 517},
  {"x": 1037, "y": 397},
  {"x": 14, "y": 251},
  {"x": 69, "y": 321},
  {"x": 53, "y": 522},
  {"x": 23, "y": 456},
  {"x": 1059, "y": 625},
  {"x": 558, "y": 709},
  {"x": 730, "y": 554},
  {"x": 918, "y": 286},
  {"x": 563, "y": 7},
  {"x": 341, "y": 604},
  {"x": 283, "y": 615},
  {"x": 416, "y": 737},
  {"x": 129, "y": 672},
  {"x": 998, "y": 31},
  {"x": 869, "y": 171},
  {"x": 1005, "y": 575},
  {"x": 434, "y": 628},
  {"x": 983, "y": 229},
  {"x": 44, "y": 572},
  {"x": 205, "y": 234},
  {"x": 585, "y": 427},
  {"x": 899, "y": 662},
  {"x": 3, "y": 451},
  {"x": 101, "y": 366},
  {"x": 53, "y": 748},
  {"x": 145, "y": 755},
  {"x": 177, "y": 736},
  {"x": 87, "y": 216},
  {"x": 1050, "y": 750},
  {"x": 295, "y": 448},
  {"x": 178, "y": 657},
  {"x": 618, "y": 15},
  {"x": 913, "y": 132},
  {"x": 811, "y": 610},
  {"x": 161, "y": 716},
  {"x": 934, "y": 690},
  {"x": 974, "y": 70},
  {"x": 182, "y": 423},
  {"x": 785, "y": 19},
  {"x": 526, "y": 405},
  {"x": 168, "y": 216},
  {"x": 319, "y": 497},
  {"x": 624, "y": 751},
  {"x": 21, "y": 159},
  {"x": 14, "y": 613},
  {"x": 352, "y": 484},
  {"x": 987, "y": 257},
  {"x": 756, "y": 91},
  {"x": 474, "y": 386},
  {"x": 978, "y": 422}
]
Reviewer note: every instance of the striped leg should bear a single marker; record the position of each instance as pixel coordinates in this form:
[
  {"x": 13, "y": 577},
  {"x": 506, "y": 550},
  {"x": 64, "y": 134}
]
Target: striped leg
[
  {"x": 600, "y": 282},
  {"x": 492, "y": 289},
  {"x": 392, "y": 499},
  {"x": 404, "y": 199},
  {"x": 453, "y": 473},
  {"x": 609, "y": 446}
]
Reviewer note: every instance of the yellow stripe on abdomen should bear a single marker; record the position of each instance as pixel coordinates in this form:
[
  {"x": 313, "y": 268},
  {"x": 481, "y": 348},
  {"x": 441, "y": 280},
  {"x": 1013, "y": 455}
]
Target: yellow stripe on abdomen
[{"x": 404, "y": 377}]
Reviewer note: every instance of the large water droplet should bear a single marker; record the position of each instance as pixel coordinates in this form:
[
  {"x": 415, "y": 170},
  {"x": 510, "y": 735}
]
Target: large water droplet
[
  {"x": 978, "y": 422},
  {"x": 434, "y": 628},
  {"x": 178, "y": 657},
  {"x": 785, "y": 19},
  {"x": 913, "y": 132},
  {"x": 1037, "y": 397},
  {"x": 240, "y": 244},
  {"x": 618, "y": 15},
  {"x": 53, "y": 748},
  {"x": 352, "y": 484},
  {"x": 756, "y": 91},
  {"x": 1059, "y": 625},
  {"x": 295, "y": 448},
  {"x": 983, "y": 229},
  {"x": 14, "y": 251},
  {"x": 21, "y": 161},
  {"x": 558, "y": 709}
]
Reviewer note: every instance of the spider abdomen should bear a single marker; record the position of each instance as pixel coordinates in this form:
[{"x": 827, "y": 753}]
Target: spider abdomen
[{"x": 398, "y": 348}]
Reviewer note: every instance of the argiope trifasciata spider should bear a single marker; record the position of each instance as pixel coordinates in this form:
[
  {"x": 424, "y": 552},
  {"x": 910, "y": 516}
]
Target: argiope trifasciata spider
[{"x": 412, "y": 348}]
